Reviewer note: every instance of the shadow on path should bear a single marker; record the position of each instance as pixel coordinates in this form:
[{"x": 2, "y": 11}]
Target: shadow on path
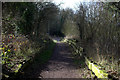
[{"x": 61, "y": 64}]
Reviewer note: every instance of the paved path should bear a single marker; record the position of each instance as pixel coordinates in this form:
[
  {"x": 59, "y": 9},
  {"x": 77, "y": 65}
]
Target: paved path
[{"x": 61, "y": 64}]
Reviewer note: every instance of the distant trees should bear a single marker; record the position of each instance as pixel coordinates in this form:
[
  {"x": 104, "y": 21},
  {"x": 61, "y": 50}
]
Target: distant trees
[
  {"x": 46, "y": 12},
  {"x": 68, "y": 24}
]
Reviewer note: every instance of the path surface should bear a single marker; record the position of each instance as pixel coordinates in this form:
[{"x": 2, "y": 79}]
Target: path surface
[{"x": 61, "y": 64}]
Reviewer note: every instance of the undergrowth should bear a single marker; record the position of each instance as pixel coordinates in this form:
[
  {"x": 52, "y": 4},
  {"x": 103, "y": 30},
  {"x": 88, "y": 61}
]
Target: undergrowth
[{"x": 17, "y": 50}]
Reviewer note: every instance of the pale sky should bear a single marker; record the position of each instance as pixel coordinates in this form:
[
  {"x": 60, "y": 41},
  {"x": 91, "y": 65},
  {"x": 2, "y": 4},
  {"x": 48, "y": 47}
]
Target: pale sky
[{"x": 68, "y": 3}]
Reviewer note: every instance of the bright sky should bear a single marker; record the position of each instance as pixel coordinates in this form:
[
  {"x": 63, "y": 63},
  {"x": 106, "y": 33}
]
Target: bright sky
[{"x": 68, "y": 3}]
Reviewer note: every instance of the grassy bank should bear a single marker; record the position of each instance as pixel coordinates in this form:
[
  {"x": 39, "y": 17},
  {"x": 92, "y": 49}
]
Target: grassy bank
[{"x": 29, "y": 68}]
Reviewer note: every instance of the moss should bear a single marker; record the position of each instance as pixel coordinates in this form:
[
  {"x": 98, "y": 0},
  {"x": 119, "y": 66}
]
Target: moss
[{"x": 96, "y": 69}]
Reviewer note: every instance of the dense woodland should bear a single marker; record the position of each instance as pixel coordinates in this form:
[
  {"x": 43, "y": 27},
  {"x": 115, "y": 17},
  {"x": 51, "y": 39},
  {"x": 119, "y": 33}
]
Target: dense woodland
[{"x": 27, "y": 29}]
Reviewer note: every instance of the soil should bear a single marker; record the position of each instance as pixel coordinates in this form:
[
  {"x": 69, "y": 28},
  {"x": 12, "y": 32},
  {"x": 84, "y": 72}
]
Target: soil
[{"x": 61, "y": 64}]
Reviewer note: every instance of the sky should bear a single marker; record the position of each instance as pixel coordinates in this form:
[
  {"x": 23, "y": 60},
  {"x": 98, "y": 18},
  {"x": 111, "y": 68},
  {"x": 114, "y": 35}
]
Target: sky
[{"x": 68, "y": 3}]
